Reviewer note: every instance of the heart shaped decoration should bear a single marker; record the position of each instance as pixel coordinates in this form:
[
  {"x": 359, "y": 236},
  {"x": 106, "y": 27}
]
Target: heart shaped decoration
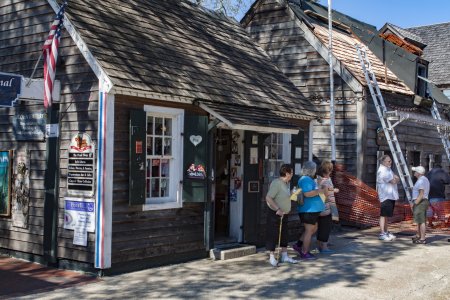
[{"x": 195, "y": 139}]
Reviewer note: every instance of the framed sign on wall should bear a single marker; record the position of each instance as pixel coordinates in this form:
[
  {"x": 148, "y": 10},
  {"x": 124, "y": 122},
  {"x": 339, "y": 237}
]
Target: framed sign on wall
[{"x": 5, "y": 183}]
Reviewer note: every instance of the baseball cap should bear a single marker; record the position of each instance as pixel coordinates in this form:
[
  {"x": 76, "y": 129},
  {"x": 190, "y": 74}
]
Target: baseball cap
[{"x": 419, "y": 169}]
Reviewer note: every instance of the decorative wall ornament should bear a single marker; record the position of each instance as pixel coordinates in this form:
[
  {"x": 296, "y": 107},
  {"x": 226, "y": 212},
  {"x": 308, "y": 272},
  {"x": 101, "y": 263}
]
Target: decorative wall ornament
[
  {"x": 195, "y": 139},
  {"x": 196, "y": 172}
]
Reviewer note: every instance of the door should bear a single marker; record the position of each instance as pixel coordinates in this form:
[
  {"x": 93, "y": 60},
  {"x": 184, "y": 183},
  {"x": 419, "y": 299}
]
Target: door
[
  {"x": 253, "y": 181},
  {"x": 222, "y": 185}
]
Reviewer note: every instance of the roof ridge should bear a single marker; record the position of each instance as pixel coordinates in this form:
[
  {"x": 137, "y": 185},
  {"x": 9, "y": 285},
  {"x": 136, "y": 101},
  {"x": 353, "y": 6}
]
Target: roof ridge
[{"x": 442, "y": 23}]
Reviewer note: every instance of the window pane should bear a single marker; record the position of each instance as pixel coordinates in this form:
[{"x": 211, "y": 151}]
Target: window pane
[
  {"x": 165, "y": 168},
  {"x": 280, "y": 138},
  {"x": 164, "y": 187},
  {"x": 158, "y": 126},
  {"x": 168, "y": 127},
  {"x": 280, "y": 152},
  {"x": 149, "y": 145},
  {"x": 155, "y": 188},
  {"x": 158, "y": 146},
  {"x": 155, "y": 167},
  {"x": 150, "y": 125},
  {"x": 148, "y": 188},
  {"x": 148, "y": 168},
  {"x": 167, "y": 146}
]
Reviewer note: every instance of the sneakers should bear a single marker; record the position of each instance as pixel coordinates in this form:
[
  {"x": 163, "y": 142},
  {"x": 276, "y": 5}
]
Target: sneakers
[
  {"x": 273, "y": 261},
  {"x": 393, "y": 237},
  {"x": 287, "y": 259},
  {"x": 297, "y": 248},
  {"x": 386, "y": 237},
  {"x": 307, "y": 256}
]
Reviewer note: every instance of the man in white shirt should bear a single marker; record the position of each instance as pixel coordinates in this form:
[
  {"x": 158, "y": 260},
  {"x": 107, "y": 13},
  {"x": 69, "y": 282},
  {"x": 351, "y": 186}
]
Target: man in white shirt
[
  {"x": 387, "y": 194},
  {"x": 420, "y": 203}
]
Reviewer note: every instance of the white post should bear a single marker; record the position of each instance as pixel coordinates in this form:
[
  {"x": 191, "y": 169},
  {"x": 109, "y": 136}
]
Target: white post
[{"x": 330, "y": 58}]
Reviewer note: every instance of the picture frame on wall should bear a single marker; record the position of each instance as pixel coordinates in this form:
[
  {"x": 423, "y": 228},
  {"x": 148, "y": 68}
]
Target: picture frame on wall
[{"x": 5, "y": 183}]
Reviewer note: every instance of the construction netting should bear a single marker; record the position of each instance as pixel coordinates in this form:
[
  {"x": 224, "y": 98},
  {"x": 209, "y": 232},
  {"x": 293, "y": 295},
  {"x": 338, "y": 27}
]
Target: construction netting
[{"x": 358, "y": 203}]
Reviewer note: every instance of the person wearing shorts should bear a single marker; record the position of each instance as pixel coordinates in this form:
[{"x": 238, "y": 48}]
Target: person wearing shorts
[
  {"x": 387, "y": 194},
  {"x": 310, "y": 209},
  {"x": 420, "y": 203}
]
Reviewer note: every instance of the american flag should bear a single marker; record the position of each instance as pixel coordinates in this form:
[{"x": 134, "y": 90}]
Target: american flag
[{"x": 50, "y": 53}]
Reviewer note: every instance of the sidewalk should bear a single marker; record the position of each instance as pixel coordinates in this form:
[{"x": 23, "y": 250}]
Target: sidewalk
[
  {"x": 362, "y": 268},
  {"x": 19, "y": 277}
]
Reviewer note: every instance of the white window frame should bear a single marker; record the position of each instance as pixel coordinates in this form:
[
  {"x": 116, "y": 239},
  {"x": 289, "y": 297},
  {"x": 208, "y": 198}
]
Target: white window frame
[{"x": 175, "y": 200}]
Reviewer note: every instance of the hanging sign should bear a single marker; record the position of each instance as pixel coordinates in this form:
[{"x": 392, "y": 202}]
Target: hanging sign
[
  {"x": 10, "y": 89},
  {"x": 29, "y": 126},
  {"x": 81, "y": 166}
]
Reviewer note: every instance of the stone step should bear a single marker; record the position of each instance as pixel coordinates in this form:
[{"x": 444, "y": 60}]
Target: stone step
[{"x": 224, "y": 252}]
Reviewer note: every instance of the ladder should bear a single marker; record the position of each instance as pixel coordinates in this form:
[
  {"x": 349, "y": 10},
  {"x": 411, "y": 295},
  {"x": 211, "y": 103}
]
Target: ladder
[
  {"x": 437, "y": 116},
  {"x": 385, "y": 119}
]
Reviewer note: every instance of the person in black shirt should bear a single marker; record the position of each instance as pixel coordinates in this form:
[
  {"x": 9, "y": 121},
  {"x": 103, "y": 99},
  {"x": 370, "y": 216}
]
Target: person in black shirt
[{"x": 438, "y": 179}]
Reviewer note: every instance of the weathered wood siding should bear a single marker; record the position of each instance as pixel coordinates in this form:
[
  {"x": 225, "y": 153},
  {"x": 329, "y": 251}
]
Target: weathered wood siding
[
  {"x": 412, "y": 136},
  {"x": 279, "y": 35},
  {"x": 24, "y": 26},
  {"x": 141, "y": 235}
]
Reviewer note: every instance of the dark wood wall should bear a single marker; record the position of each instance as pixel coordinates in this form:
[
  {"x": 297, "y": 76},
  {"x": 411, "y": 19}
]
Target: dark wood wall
[
  {"x": 412, "y": 136},
  {"x": 278, "y": 34},
  {"x": 146, "y": 235},
  {"x": 24, "y": 26}
]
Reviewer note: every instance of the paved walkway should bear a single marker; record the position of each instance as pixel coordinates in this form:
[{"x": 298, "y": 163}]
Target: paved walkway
[{"x": 362, "y": 268}]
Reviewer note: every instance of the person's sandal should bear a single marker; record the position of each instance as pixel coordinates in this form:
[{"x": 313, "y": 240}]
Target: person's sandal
[
  {"x": 420, "y": 241},
  {"x": 415, "y": 238}
]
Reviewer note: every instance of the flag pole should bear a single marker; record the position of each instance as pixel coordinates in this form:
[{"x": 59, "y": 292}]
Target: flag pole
[
  {"x": 332, "y": 109},
  {"x": 51, "y": 183}
]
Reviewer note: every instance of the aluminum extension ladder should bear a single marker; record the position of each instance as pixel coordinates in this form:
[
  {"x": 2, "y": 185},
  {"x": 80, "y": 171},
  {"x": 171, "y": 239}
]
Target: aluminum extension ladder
[
  {"x": 437, "y": 116},
  {"x": 388, "y": 127}
]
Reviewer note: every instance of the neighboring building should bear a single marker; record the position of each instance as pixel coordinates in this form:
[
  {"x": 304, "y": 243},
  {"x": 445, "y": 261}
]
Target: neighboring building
[
  {"x": 169, "y": 117},
  {"x": 295, "y": 35},
  {"x": 437, "y": 52}
]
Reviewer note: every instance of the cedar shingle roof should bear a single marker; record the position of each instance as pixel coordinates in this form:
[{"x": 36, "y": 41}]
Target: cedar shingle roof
[
  {"x": 345, "y": 51},
  {"x": 437, "y": 52},
  {"x": 172, "y": 47}
]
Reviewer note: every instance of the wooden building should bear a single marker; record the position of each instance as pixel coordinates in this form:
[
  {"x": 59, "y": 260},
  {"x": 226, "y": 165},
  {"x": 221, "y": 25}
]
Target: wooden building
[
  {"x": 172, "y": 122},
  {"x": 295, "y": 35}
]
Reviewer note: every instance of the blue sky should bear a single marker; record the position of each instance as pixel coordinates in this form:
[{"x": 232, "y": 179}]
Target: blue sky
[{"x": 405, "y": 13}]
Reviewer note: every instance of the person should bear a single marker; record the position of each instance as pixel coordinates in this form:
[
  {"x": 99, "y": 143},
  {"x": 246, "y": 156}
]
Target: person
[
  {"x": 438, "y": 178},
  {"x": 325, "y": 221},
  {"x": 310, "y": 209},
  {"x": 279, "y": 202},
  {"x": 420, "y": 203},
  {"x": 387, "y": 194}
]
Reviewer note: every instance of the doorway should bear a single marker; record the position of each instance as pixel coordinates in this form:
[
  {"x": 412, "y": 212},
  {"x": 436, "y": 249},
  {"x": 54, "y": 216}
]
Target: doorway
[{"x": 222, "y": 186}]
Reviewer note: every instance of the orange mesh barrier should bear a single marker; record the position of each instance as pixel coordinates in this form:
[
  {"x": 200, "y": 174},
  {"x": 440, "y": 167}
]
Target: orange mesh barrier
[{"x": 358, "y": 203}]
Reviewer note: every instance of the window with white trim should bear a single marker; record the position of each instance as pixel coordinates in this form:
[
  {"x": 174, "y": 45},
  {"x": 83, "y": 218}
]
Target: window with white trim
[{"x": 164, "y": 156}]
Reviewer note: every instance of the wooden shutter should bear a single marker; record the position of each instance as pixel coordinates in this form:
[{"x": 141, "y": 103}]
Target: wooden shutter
[
  {"x": 138, "y": 148},
  {"x": 195, "y": 126}
]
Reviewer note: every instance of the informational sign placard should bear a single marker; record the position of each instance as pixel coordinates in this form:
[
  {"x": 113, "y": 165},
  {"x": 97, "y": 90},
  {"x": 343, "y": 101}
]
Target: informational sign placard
[
  {"x": 29, "y": 126},
  {"x": 5, "y": 183},
  {"x": 21, "y": 188},
  {"x": 79, "y": 214},
  {"x": 10, "y": 88},
  {"x": 81, "y": 166}
]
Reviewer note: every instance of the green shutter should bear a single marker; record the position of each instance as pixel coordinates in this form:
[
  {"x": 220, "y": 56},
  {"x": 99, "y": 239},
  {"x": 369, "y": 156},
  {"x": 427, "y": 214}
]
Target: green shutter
[
  {"x": 195, "y": 126},
  {"x": 137, "y": 157}
]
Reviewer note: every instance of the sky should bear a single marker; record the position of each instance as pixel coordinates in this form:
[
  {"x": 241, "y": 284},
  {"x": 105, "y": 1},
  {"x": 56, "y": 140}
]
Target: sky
[{"x": 404, "y": 13}]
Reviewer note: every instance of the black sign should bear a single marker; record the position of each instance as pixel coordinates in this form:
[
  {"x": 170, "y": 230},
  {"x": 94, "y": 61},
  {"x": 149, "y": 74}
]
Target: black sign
[
  {"x": 28, "y": 126},
  {"x": 10, "y": 88},
  {"x": 81, "y": 161},
  {"x": 80, "y": 168},
  {"x": 81, "y": 155}
]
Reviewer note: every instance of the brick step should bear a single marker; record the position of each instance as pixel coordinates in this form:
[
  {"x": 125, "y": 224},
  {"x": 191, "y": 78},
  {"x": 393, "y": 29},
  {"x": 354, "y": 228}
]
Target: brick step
[{"x": 230, "y": 251}]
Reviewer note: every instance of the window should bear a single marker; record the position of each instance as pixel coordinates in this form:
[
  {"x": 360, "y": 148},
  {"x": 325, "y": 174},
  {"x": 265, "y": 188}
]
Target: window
[
  {"x": 274, "y": 148},
  {"x": 421, "y": 84},
  {"x": 163, "y": 157}
]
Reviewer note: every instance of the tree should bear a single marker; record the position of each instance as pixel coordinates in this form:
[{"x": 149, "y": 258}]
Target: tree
[{"x": 230, "y": 8}]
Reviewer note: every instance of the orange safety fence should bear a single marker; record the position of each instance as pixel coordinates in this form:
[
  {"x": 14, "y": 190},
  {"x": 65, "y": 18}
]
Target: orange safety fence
[{"x": 358, "y": 203}]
